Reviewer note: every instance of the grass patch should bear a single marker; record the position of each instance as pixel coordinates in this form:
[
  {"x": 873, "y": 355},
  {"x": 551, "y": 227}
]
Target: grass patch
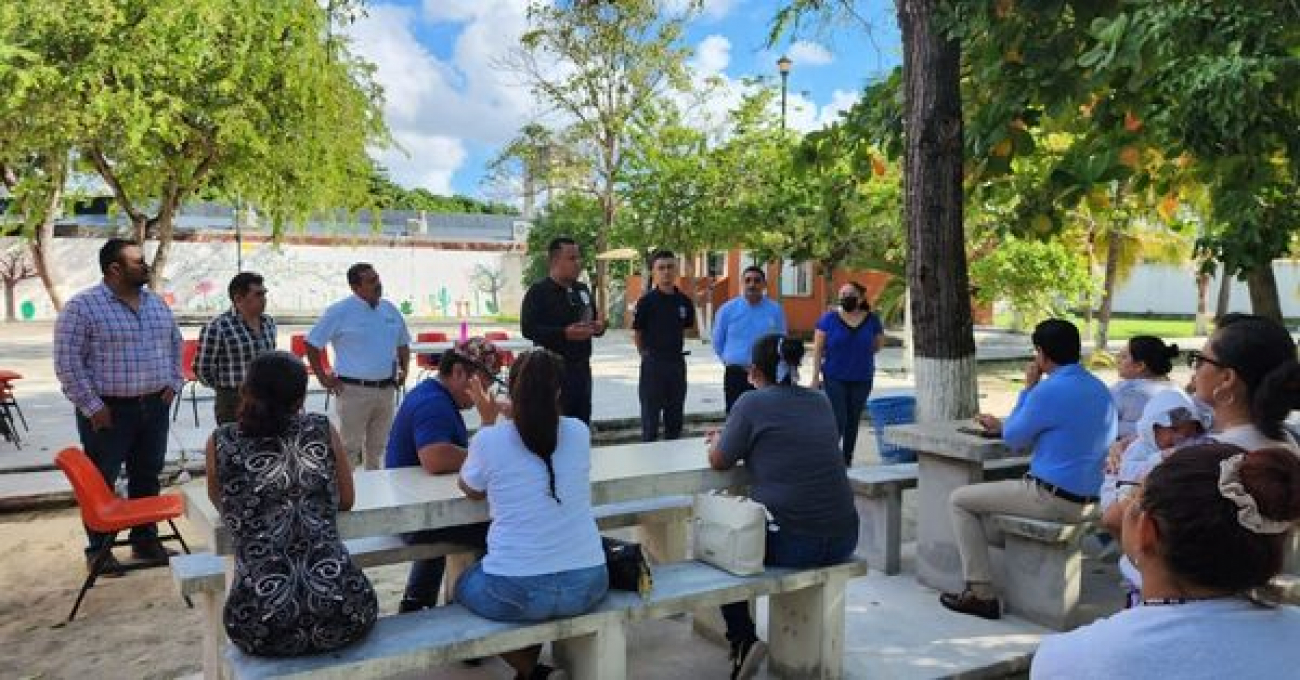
[{"x": 1123, "y": 328}]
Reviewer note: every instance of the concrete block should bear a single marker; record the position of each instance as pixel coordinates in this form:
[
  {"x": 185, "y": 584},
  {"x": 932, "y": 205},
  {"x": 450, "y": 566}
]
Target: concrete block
[{"x": 1043, "y": 567}]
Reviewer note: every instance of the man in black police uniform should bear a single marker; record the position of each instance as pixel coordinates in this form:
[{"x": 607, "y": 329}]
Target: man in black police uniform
[
  {"x": 661, "y": 316},
  {"x": 558, "y": 314}
]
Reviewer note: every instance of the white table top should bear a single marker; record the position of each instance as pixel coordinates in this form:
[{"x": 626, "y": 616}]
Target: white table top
[
  {"x": 409, "y": 499},
  {"x": 512, "y": 344},
  {"x": 943, "y": 439}
]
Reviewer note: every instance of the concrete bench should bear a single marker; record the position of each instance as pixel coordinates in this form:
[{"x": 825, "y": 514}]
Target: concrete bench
[
  {"x": 806, "y": 633},
  {"x": 1042, "y": 567},
  {"x": 202, "y": 576},
  {"x": 878, "y": 495}
]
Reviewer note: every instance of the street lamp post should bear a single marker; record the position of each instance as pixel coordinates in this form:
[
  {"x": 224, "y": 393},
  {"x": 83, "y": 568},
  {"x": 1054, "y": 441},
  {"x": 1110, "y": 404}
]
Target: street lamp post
[{"x": 783, "y": 65}]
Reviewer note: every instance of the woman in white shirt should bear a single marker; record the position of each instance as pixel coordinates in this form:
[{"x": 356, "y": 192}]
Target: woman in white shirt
[
  {"x": 1247, "y": 372},
  {"x": 544, "y": 558},
  {"x": 1144, "y": 365},
  {"x": 1207, "y": 528}
]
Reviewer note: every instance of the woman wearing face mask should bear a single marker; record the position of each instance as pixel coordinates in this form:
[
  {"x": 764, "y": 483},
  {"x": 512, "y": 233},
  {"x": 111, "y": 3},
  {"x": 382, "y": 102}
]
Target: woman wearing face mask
[{"x": 844, "y": 360}]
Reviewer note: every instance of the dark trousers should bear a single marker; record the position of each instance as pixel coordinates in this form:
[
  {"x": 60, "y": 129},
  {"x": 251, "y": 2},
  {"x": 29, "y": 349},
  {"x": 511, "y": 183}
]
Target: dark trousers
[
  {"x": 576, "y": 392},
  {"x": 788, "y": 550},
  {"x": 847, "y": 397},
  {"x": 426, "y": 575},
  {"x": 735, "y": 382},
  {"x": 662, "y": 389},
  {"x": 225, "y": 408},
  {"x": 136, "y": 439}
]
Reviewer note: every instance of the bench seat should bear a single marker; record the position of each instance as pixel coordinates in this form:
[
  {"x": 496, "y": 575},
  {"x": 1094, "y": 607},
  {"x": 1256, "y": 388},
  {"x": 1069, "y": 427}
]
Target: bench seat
[
  {"x": 592, "y": 646},
  {"x": 1043, "y": 567},
  {"x": 878, "y": 495}
]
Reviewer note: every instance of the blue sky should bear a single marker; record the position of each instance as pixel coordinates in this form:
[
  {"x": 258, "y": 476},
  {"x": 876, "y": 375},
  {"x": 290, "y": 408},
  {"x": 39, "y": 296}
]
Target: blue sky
[{"x": 451, "y": 109}]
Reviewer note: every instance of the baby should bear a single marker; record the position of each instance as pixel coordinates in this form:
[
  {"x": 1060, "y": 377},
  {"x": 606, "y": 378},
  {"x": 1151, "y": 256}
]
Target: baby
[{"x": 1170, "y": 421}]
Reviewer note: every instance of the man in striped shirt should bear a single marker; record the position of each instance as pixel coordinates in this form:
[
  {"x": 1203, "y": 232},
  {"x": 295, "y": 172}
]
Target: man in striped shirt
[
  {"x": 117, "y": 354},
  {"x": 230, "y": 342}
]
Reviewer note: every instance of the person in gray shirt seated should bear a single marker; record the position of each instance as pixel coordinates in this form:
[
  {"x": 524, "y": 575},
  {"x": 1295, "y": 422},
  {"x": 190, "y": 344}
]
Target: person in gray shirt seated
[{"x": 787, "y": 436}]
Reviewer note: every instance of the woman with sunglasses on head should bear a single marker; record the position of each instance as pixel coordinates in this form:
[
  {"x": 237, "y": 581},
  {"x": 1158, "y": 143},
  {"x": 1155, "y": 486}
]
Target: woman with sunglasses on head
[
  {"x": 544, "y": 558},
  {"x": 1207, "y": 529},
  {"x": 1248, "y": 374}
]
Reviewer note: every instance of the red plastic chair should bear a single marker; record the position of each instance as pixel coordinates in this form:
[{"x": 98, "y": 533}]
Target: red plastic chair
[
  {"x": 428, "y": 363},
  {"x": 189, "y": 351},
  {"x": 298, "y": 347},
  {"x": 8, "y": 402},
  {"x": 104, "y": 512},
  {"x": 507, "y": 357}
]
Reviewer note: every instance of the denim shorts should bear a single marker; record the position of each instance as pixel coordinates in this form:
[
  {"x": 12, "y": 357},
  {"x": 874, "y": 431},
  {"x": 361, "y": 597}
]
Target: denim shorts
[{"x": 531, "y": 598}]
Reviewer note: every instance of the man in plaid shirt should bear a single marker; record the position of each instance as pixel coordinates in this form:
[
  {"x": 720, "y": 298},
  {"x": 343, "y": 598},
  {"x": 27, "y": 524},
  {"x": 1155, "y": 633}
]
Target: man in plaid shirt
[
  {"x": 117, "y": 354},
  {"x": 230, "y": 342}
]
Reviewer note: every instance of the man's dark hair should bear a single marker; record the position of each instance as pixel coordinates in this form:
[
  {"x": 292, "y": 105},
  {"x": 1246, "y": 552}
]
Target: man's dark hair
[
  {"x": 356, "y": 271},
  {"x": 1059, "y": 341},
  {"x": 557, "y": 244},
  {"x": 111, "y": 252},
  {"x": 241, "y": 282},
  {"x": 755, "y": 269},
  {"x": 661, "y": 254}
]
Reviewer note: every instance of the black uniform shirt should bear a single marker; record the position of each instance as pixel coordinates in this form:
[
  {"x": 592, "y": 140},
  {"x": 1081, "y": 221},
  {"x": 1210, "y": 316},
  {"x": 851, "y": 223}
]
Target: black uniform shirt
[
  {"x": 661, "y": 318},
  {"x": 548, "y": 307}
]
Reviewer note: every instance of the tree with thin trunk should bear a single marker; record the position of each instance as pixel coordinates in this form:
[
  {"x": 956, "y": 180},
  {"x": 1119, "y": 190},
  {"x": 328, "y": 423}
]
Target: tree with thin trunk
[{"x": 15, "y": 266}]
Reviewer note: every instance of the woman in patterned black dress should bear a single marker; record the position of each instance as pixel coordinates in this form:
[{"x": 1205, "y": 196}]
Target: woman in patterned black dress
[{"x": 279, "y": 477}]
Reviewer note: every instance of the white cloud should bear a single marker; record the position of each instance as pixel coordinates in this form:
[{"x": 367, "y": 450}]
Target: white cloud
[
  {"x": 710, "y": 9},
  {"x": 808, "y": 53},
  {"x": 712, "y": 56}
]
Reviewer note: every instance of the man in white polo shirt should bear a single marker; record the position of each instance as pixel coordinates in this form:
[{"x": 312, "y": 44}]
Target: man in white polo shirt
[{"x": 371, "y": 354}]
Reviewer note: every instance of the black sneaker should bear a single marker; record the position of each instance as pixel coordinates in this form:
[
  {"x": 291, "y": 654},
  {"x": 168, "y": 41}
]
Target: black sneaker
[
  {"x": 746, "y": 657},
  {"x": 111, "y": 568},
  {"x": 152, "y": 552},
  {"x": 967, "y": 602}
]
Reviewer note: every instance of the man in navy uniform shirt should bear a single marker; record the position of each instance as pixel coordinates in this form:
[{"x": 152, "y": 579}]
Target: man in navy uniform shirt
[{"x": 662, "y": 315}]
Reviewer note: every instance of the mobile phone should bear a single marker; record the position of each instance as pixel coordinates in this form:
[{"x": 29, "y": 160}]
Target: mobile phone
[{"x": 978, "y": 432}]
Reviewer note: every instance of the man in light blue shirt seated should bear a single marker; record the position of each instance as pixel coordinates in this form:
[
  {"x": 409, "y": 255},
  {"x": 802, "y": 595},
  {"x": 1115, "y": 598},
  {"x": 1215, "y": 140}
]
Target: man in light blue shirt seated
[
  {"x": 371, "y": 355},
  {"x": 739, "y": 323},
  {"x": 1066, "y": 415}
]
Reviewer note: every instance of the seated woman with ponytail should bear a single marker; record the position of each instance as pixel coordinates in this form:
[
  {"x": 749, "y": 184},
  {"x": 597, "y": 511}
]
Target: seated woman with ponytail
[
  {"x": 279, "y": 477},
  {"x": 787, "y": 436},
  {"x": 544, "y": 558},
  {"x": 1207, "y": 529}
]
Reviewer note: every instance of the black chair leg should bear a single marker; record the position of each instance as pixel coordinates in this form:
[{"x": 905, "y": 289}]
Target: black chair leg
[
  {"x": 177, "y": 533},
  {"x": 96, "y": 565},
  {"x": 176, "y": 407},
  {"x": 194, "y": 402}
]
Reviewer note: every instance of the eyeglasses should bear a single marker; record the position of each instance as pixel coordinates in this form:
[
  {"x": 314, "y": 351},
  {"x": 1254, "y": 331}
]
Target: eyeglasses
[
  {"x": 753, "y": 280},
  {"x": 1195, "y": 359}
]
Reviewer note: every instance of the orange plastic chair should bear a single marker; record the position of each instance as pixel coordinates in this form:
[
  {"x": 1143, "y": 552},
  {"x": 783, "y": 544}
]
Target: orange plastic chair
[
  {"x": 189, "y": 351},
  {"x": 104, "y": 512},
  {"x": 8, "y": 402},
  {"x": 507, "y": 357},
  {"x": 428, "y": 363},
  {"x": 298, "y": 347}
]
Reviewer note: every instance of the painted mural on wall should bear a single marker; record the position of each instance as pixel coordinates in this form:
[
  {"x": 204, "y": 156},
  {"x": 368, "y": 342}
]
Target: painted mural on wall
[{"x": 302, "y": 279}]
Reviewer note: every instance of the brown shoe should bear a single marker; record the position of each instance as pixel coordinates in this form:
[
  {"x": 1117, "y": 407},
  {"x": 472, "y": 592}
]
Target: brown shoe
[
  {"x": 110, "y": 569},
  {"x": 151, "y": 552},
  {"x": 968, "y": 603}
]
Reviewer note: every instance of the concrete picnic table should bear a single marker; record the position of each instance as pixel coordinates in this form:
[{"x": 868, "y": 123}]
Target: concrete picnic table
[{"x": 947, "y": 459}]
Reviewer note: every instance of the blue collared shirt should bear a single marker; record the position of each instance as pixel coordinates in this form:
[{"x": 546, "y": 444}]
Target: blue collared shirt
[
  {"x": 739, "y": 325},
  {"x": 365, "y": 338},
  {"x": 428, "y": 415},
  {"x": 1069, "y": 420}
]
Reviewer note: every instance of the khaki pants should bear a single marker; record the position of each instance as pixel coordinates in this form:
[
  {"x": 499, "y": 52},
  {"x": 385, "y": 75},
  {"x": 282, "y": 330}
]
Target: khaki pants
[
  {"x": 365, "y": 415},
  {"x": 1019, "y": 497}
]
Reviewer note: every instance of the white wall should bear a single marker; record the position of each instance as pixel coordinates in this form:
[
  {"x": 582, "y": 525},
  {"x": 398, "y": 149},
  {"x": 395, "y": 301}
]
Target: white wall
[
  {"x": 301, "y": 278},
  {"x": 1169, "y": 289}
]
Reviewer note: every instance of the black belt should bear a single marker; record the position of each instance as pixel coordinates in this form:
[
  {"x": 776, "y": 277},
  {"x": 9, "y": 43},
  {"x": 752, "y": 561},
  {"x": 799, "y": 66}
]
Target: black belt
[
  {"x": 1061, "y": 493},
  {"x": 386, "y": 382},
  {"x": 135, "y": 399}
]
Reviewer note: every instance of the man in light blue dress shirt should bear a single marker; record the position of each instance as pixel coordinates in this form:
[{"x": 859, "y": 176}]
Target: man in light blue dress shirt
[
  {"x": 371, "y": 354},
  {"x": 1066, "y": 415},
  {"x": 740, "y": 322}
]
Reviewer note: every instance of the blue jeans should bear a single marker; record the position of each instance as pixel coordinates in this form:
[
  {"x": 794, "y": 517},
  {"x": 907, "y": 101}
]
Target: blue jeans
[
  {"x": 532, "y": 598},
  {"x": 425, "y": 579},
  {"x": 138, "y": 440},
  {"x": 848, "y": 397},
  {"x": 788, "y": 550}
]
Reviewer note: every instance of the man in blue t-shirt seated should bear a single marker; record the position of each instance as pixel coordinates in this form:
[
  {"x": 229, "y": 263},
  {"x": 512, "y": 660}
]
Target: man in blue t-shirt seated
[
  {"x": 1066, "y": 415},
  {"x": 429, "y": 431}
]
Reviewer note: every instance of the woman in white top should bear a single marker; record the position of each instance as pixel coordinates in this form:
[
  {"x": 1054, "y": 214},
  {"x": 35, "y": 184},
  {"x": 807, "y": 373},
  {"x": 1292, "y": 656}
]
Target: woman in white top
[
  {"x": 544, "y": 558},
  {"x": 1247, "y": 372},
  {"x": 1144, "y": 365},
  {"x": 1208, "y": 526}
]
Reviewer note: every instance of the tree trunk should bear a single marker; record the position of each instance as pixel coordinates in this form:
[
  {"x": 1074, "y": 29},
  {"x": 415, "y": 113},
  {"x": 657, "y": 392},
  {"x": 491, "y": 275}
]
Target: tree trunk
[
  {"x": 1225, "y": 293},
  {"x": 1264, "y": 299},
  {"x": 1202, "y": 303},
  {"x": 43, "y": 243},
  {"x": 1113, "y": 241},
  {"x": 1088, "y": 307},
  {"x": 11, "y": 310},
  {"x": 932, "y": 211}
]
